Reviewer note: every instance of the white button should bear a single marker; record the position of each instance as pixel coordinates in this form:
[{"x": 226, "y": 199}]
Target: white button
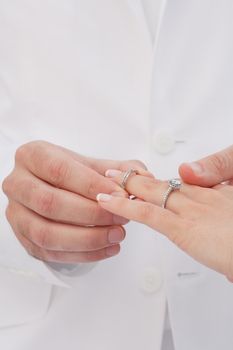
[
  {"x": 163, "y": 142},
  {"x": 151, "y": 281}
]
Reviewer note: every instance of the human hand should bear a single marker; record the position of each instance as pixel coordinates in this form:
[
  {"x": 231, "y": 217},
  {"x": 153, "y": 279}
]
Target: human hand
[
  {"x": 52, "y": 207},
  {"x": 198, "y": 220},
  {"x": 211, "y": 170}
]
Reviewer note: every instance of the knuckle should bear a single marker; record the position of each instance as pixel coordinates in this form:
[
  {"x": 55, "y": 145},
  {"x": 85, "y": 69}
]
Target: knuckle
[
  {"x": 37, "y": 153},
  {"x": 7, "y": 185},
  {"x": 37, "y": 150},
  {"x": 46, "y": 203},
  {"x": 21, "y": 153},
  {"x": 58, "y": 171},
  {"x": 221, "y": 161},
  {"x": 27, "y": 149}
]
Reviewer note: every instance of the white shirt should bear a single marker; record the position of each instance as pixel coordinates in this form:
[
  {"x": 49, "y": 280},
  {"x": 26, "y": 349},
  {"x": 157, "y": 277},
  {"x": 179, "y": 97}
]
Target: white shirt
[
  {"x": 78, "y": 74},
  {"x": 152, "y": 12},
  {"x": 152, "y": 9}
]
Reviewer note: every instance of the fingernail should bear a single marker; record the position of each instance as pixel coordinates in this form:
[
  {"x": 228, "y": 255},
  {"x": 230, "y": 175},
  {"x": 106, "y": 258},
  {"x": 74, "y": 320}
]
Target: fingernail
[
  {"x": 114, "y": 250},
  {"x": 116, "y": 235},
  {"x": 196, "y": 168},
  {"x": 103, "y": 197},
  {"x": 112, "y": 173}
]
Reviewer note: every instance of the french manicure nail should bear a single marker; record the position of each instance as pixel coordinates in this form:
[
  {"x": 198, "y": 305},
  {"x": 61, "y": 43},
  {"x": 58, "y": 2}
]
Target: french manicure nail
[
  {"x": 103, "y": 197},
  {"x": 112, "y": 173},
  {"x": 116, "y": 235}
]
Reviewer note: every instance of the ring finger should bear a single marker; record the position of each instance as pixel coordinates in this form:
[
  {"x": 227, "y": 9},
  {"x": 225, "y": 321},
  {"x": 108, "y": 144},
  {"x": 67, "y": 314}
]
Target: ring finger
[{"x": 153, "y": 191}]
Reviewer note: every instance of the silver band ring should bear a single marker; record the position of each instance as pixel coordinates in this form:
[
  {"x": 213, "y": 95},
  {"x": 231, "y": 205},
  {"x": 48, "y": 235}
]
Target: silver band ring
[
  {"x": 174, "y": 184},
  {"x": 126, "y": 176}
]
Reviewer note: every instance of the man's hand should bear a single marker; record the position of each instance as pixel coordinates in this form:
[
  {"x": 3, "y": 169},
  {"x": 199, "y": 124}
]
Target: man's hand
[
  {"x": 209, "y": 171},
  {"x": 52, "y": 204}
]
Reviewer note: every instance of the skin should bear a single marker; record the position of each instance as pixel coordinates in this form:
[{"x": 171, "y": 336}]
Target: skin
[
  {"x": 211, "y": 170},
  {"x": 198, "y": 220},
  {"x": 52, "y": 208}
]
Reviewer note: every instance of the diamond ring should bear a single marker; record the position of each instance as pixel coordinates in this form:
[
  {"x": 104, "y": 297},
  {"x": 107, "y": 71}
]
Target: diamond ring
[{"x": 174, "y": 184}]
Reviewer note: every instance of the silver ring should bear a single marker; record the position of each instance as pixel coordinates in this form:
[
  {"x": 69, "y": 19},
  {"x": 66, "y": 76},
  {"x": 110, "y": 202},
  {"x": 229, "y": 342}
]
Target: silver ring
[
  {"x": 174, "y": 184},
  {"x": 126, "y": 176}
]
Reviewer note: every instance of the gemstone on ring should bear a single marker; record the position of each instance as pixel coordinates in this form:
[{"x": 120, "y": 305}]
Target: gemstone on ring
[{"x": 174, "y": 184}]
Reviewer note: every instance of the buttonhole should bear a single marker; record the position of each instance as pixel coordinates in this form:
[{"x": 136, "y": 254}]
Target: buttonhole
[
  {"x": 180, "y": 141},
  {"x": 184, "y": 275}
]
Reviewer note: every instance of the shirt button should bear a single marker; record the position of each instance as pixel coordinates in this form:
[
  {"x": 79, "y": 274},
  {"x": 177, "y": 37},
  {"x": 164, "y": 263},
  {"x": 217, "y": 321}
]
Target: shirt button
[
  {"x": 163, "y": 142},
  {"x": 151, "y": 280}
]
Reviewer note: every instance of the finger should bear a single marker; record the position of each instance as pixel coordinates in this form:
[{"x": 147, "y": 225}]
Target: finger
[
  {"x": 60, "y": 237},
  {"x": 209, "y": 171},
  {"x": 102, "y": 165},
  {"x": 51, "y": 164},
  {"x": 67, "y": 257},
  {"x": 56, "y": 204},
  {"x": 61, "y": 256},
  {"x": 160, "y": 219},
  {"x": 184, "y": 201},
  {"x": 153, "y": 191}
]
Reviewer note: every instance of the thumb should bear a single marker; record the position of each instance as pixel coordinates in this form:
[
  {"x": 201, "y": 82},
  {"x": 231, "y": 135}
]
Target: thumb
[{"x": 209, "y": 171}]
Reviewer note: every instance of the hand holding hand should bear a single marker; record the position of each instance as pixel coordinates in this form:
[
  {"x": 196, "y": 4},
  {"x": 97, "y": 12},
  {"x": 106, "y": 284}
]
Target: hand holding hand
[{"x": 198, "y": 220}]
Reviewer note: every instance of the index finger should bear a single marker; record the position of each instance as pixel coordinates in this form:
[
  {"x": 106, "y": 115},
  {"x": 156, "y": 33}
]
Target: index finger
[
  {"x": 155, "y": 217},
  {"x": 49, "y": 163}
]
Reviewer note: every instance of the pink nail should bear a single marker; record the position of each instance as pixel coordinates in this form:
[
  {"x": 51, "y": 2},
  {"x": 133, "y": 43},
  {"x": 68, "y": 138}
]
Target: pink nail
[
  {"x": 103, "y": 197},
  {"x": 116, "y": 235},
  {"x": 112, "y": 173}
]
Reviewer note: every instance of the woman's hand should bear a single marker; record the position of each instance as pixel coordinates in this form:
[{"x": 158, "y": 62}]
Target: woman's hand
[{"x": 198, "y": 220}]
